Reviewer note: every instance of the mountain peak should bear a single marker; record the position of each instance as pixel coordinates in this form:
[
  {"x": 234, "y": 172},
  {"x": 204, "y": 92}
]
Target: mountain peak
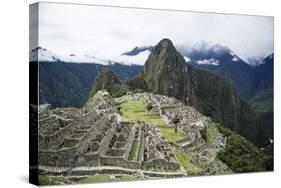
[
  {"x": 39, "y": 48},
  {"x": 166, "y": 41},
  {"x": 106, "y": 75},
  {"x": 42, "y": 54},
  {"x": 164, "y": 52},
  {"x": 165, "y": 44},
  {"x": 106, "y": 80},
  {"x": 162, "y": 64}
]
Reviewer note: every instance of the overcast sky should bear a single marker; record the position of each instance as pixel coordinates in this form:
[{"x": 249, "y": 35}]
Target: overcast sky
[{"x": 106, "y": 32}]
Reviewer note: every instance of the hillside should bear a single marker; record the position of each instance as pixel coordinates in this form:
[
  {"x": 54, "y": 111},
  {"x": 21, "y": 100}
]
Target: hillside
[
  {"x": 106, "y": 80},
  {"x": 223, "y": 61},
  {"x": 264, "y": 85},
  {"x": 68, "y": 84},
  {"x": 253, "y": 82}
]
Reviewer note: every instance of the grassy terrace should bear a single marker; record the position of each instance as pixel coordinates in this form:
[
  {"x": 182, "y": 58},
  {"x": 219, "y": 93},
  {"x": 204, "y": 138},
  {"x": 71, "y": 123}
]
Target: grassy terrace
[
  {"x": 171, "y": 135},
  {"x": 134, "y": 148},
  {"x": 186, "y": 163},
  {"x": 141, "y": 148},
  {"x": 135, "y": 110},
  {"x": 104, "y": 178},
  {"x": 46, "y": 180}
]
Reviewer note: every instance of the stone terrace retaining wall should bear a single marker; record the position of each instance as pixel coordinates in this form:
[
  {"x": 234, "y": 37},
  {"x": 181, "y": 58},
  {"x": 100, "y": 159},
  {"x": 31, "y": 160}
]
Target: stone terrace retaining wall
[
  {"x": 89, "y": 159},
  {"x": 68, "y": 156},
  {"x": 120, "y": 161},
  {"x": 161, "y": 163},
  {"x": 90, "y": 117},
  {"x": 46, "y": 142},
  {"x": 106, "y": 140}
]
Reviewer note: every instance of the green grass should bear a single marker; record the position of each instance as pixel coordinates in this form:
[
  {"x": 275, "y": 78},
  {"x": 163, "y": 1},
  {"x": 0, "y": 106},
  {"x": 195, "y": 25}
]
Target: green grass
[
  {"x": 242, "y": 156},
  {"x": 132, "y": 154},
  {"x": 141, "y": 147},
  {"x": 47, "y": 180},
  {"x": 135, "y": 110},
  {"x": 104, "y": 178},
  {"x": 171, "y": 135},
  {"x": 212, "y": 133},
  {"x": 44, "y": 180},
  {"x": 186, "y": 163}
]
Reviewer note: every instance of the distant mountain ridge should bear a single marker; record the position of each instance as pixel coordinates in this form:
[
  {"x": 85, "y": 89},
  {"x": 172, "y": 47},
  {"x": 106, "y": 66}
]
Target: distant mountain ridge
[
  {"x": 42, "y": 54},
  {"x": 69, "y": 84},
  {"x": 264, "y": 73},
  {"x": 223, "y": 61},
  {"x": 217, "y": 58}
]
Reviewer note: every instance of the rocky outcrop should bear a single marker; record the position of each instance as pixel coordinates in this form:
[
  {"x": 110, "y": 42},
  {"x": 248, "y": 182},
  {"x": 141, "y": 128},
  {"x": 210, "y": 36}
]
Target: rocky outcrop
[
  {"x": 167, "y": 73},
  {"x": 106, "y": 80}
]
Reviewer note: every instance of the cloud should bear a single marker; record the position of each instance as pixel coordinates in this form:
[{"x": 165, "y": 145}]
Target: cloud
[
  {"x": 211, "y": 61},
  {"x": 107, "y": 32}
]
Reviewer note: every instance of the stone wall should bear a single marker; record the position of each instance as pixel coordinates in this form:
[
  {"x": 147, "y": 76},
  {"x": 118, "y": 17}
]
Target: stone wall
[
  {"x": 106, "y": 140},
  {"x": 70, "y": 142},
  {"x": 89, "y": 159},
  {"x": 46, "y": 142},
  {"x": 119, "y": 161},
  {"x": 90, "y": 117},
  {"x": 116, "y": 152},
  {"x": 69, "y": 156},
  {"x": 161, "y": 163}
]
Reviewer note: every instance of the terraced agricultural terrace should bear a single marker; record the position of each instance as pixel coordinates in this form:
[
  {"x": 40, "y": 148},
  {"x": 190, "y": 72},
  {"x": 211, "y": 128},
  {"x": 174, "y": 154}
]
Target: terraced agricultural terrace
[{"x": 127, "y": 138}]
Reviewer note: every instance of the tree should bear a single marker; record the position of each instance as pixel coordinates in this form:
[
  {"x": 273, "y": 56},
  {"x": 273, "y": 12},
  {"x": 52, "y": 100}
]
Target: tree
[
  {"x": 176, "y": 128},
  {"x": 175, "y": 121},
  {"x": 149, "y": 107}
]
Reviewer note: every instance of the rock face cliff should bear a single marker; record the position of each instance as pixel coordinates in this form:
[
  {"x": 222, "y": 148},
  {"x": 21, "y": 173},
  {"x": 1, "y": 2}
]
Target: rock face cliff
[{"x": 166, "y": 72}]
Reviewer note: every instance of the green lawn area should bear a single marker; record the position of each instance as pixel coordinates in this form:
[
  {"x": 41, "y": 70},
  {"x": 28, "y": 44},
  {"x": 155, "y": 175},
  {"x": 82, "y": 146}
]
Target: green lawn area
[
  {"x": 186, "y": 162},
  {"x": 135, "y": 110},
  {"x": 47, "y": 180},
  {"x": 103, "y": 178},
  {"x": 132, "y": 154},
  {"x": 44, "y": 180},
  {"x": 171, "y": 135}
]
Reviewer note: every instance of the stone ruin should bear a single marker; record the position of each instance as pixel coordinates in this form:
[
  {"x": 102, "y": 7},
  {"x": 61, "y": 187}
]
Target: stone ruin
[{"x": 97, "y": 139}]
